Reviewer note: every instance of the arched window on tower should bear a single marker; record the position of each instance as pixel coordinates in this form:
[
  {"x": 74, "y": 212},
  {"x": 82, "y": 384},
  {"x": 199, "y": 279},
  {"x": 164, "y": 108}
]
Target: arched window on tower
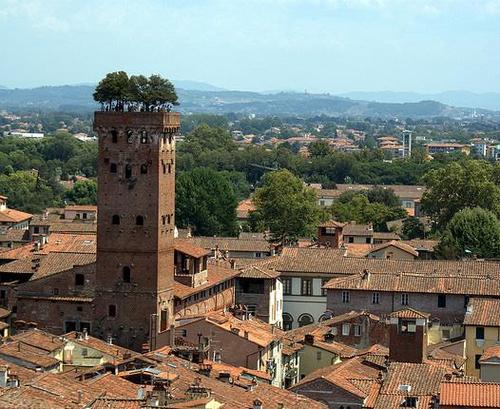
[
  {"x": 112, "y": 168},
  {"x": 115, "y": 219},
  {"x": 126, "y": 274},
  {"x": 139, "y": 220},
  {"x": 114, "y": 136},
  {"x": 128, "y": 171},
  {"x": 144, "y": 169}
]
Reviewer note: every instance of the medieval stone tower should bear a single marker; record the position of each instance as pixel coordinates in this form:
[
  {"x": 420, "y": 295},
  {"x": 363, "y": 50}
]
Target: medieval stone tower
[{"x": 135, "y": 235}]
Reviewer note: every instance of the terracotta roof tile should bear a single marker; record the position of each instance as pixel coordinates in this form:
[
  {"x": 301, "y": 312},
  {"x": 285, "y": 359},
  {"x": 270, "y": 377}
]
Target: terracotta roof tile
[
  {"x": 332, "y": 261},
  {"x": 184, "y": 246},
  {"x": 352, "y": 375},
  {"x": 409, "y": 313},
  {"x": 232, "y": 244},
  {"x": 437, "y": 282},
  {"x": 394, "y": 243},
  {"x": 491, "y": 352},
  {"x": 13, "y": 216},
  {"x": 467, "y": 394},
  {"x": 258, "y": 272},
  {"x": 116, "y": 403},
  {"x": 216, "y": 274},
  {"x": 483, "y": 311}
]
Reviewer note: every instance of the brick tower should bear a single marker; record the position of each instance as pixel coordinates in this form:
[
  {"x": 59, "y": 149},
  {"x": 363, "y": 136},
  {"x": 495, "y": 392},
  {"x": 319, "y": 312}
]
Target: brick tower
[{"x": 135, "y": 233}]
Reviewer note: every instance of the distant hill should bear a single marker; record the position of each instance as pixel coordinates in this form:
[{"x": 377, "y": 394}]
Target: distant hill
[
  {"x": 196, "y": 86},
  {"x": 489, "y": 100},
  {"x": 78, "y": 98}
]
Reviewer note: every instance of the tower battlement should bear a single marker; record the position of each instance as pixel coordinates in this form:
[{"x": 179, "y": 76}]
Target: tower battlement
[{"x": 167, "y": 121}]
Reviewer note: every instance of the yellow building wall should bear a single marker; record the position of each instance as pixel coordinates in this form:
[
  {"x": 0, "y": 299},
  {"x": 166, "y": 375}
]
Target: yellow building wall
[
  {"x": 473, "y": 347},
  {"x": 312, "y": 358}
]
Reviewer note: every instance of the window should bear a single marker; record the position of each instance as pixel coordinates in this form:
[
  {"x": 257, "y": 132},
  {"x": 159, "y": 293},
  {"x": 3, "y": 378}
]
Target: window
[
  {"x": 111, "y": 310},
  {"x": 330, "y": 231},
  {"x": 405, "y": 299},
  {"x": 36, "y": 230},
  {"x": 84, "y": 216},
  {"x": 479, "y": 332},
  {"x": 139, "y": 221},
  {"x": 144, "y": 137},
  {"x": 441, "y": 300},
  {"x": 163, "y": 320},
  {"x": 79, "y": 309},
  {"x": 85, "y": 351},
  {"x": 346, "y": 329},
  {"x": 346, "y": 297},
  {"x": 305, "y": 319},
  {"x": 113, "y": 168},
  {"x": 375, "y": 298},
  {"x": 258, "y": 254},
  {"x": 410, "y": 402},
  {"x": 318, "y": 355},
  {"x": 128, "y": 171},
  {"x": 287, "y": 286},
  {"x": 350, "y": 239},
  {"x": 477, "y": 364},
  {"x": 144, "y": 169},
  {"x": 368, "y": 240},
  {"x": 115, "y": 219},
  {"x": 70, "y": 326},
  {"x": 126, "y": 274},
  {"x": 324, "y": 290},
  {"x": 357, "y": 330},
  {"x": 79, "y": 279},
  {"x": 306, "y": 286},
  {"x": 287, "y": 321},
  {"x": 407, "y": 326},
  {"x": 114, "y": 136},
  {"x": 130, "y": 136}
]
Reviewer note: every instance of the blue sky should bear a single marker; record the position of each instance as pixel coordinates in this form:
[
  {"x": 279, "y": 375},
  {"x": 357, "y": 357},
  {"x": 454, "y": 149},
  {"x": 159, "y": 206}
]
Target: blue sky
[{"x": 319, "y": 45}]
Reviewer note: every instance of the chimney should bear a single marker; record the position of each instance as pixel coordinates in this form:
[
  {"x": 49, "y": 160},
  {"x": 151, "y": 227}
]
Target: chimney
[
  {"x": 257, "y": 404},
  {"x": 110, "y": 339},
  {"x": 85, "y": 334},
  {"x": 4, "y": 376}
]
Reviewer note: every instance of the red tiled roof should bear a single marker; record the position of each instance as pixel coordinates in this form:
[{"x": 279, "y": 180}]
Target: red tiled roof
[
  {"x": 470, "y": 395},
  {"x": 13, "y": 216},
  {"x": 491, "y": 352},
  {"x": 216, "y": 274},
  {"x": 443, "y": 283},
  {"x": 483, "y": 311},
  {"x": 409, "y": 313},
  {"x": 184, "y": 246},
  {"x": 394, "y": 243},
  {"x": 113, "y": 350},
  {"x": 352, "y": 375},
  {"x": 81, "y": 208}
]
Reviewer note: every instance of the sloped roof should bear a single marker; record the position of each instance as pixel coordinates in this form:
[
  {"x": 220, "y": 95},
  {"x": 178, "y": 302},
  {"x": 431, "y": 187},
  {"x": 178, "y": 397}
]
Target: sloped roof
[
  {"x": 258, "y": 272},
  {"x": 184, "y": 246},
  {"x": 13, "y": 216},
  {"x": 352, "y": 375},
  {"x": 470, "y": 394},
  {"x": 409, "y": 313},
  {"x": 395, "y": 243},
  {"x": 491, "y": 352},
  {"x": 442, "y": 283},
  {"x": 483, "y": 311}
]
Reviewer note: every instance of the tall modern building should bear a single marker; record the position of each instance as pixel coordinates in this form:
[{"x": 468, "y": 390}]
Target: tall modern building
[{"x": 135, "y": 236}]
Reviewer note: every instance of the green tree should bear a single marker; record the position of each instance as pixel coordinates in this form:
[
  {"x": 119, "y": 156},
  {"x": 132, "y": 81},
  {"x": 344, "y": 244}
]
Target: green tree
[
  {"x": 457, "y": 186},
  {"x": 319, "y": 148},
  {"x": 83, "y": 192},
  {"x": 152, "y": 92},
  {"x": 114, "y": 88},
  {"x": 286, "y": 207},
  {"x": 207, "y": 138},
  {"x": 205, "y": 200},
  {"x": 383, "y": 195},
  {"x": 413, "y": 228},
  {"x": 471, "y": 232}
]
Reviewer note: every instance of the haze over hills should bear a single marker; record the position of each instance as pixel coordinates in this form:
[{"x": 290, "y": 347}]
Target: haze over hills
[
  {"x": 201, "y": 97},
  {"x": 488, "y": 100}
]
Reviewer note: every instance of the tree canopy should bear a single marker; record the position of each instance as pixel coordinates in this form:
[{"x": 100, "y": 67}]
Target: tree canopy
[
  {"x": 117, "y": 91},
  {"x": 205, "y": 201},
  {"x": 286, "y": 207},
  {"x": 460, "y": 185},
  {"x": 471, "y": 232}
]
